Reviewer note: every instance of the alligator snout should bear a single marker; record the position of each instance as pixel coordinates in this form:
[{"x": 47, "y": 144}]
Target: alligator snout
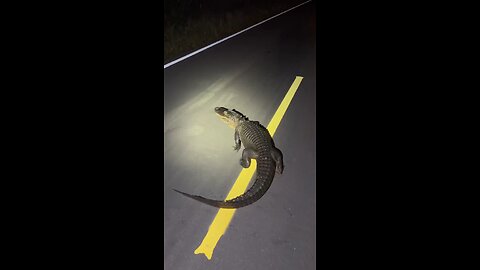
[{"x": 220, "y": 110}]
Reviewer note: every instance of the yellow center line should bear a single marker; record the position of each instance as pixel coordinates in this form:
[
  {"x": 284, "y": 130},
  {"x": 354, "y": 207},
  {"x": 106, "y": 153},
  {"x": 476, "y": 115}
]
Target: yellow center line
[{"x": 224, "y": 216}]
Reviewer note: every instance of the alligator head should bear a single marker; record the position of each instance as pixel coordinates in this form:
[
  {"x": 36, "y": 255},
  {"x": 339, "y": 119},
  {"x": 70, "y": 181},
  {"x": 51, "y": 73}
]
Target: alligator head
[{"x": 231, "y": 117}]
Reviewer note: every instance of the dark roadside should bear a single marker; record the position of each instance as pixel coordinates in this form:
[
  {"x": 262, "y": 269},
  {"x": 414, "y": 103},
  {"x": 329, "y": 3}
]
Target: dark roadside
[{"x": 190, "y": 25}]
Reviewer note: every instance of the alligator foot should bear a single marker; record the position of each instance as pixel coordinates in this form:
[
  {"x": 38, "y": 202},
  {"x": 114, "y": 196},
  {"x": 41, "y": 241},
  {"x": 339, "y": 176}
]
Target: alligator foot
[
  {"x": 279, "y": 169},
  {"x": 245, "y": 163},
  {"x": 247, "y": 155},
  {"x": 278, "y": 157}
]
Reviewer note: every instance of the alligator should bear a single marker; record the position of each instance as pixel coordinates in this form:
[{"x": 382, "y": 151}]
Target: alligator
[{"x": 258, "y": 145}]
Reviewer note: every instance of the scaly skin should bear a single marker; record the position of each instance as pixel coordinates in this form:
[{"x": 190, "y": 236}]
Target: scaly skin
[{"x": 258, "y": 145}]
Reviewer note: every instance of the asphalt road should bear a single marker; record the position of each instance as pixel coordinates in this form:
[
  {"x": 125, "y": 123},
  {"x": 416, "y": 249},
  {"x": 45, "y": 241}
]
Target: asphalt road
[{"x": 252, "y": 73}]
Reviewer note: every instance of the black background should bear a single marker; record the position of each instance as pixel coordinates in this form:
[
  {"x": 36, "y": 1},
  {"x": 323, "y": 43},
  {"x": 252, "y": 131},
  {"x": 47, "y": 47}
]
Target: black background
[{"x": 88, "y": 121}]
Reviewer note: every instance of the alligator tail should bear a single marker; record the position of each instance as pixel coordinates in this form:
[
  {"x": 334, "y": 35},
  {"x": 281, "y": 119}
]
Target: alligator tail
[
  {"x": 214, "y": 203},
  {"x": 265, "y": 174}
]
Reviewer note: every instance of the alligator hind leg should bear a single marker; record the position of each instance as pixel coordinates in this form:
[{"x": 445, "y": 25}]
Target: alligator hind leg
[
  {"x": 247, "y": 156},
  {"x": 278, "y": 157}
]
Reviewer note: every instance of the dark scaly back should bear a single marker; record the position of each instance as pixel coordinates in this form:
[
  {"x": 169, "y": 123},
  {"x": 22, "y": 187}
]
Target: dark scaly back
[{"x": 257, "y": 137}]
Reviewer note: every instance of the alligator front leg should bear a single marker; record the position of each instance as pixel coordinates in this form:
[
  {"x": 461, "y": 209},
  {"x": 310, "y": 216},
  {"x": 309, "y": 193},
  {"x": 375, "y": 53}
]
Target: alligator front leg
[
  {"x": 238, "y": 143},
  {"x": 278, "y": 157},
  {"x": 247, "y": 156}
]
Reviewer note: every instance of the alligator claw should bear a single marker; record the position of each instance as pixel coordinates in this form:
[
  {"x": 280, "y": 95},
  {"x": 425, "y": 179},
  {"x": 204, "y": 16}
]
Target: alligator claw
[{"x": 236, "y": 148}]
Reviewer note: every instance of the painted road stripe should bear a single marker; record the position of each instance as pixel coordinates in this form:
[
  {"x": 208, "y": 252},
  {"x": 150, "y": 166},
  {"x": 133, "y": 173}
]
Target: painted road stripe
[
  {"x": 224, "y": 216},
  {"x": 229, "y": 37}
]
